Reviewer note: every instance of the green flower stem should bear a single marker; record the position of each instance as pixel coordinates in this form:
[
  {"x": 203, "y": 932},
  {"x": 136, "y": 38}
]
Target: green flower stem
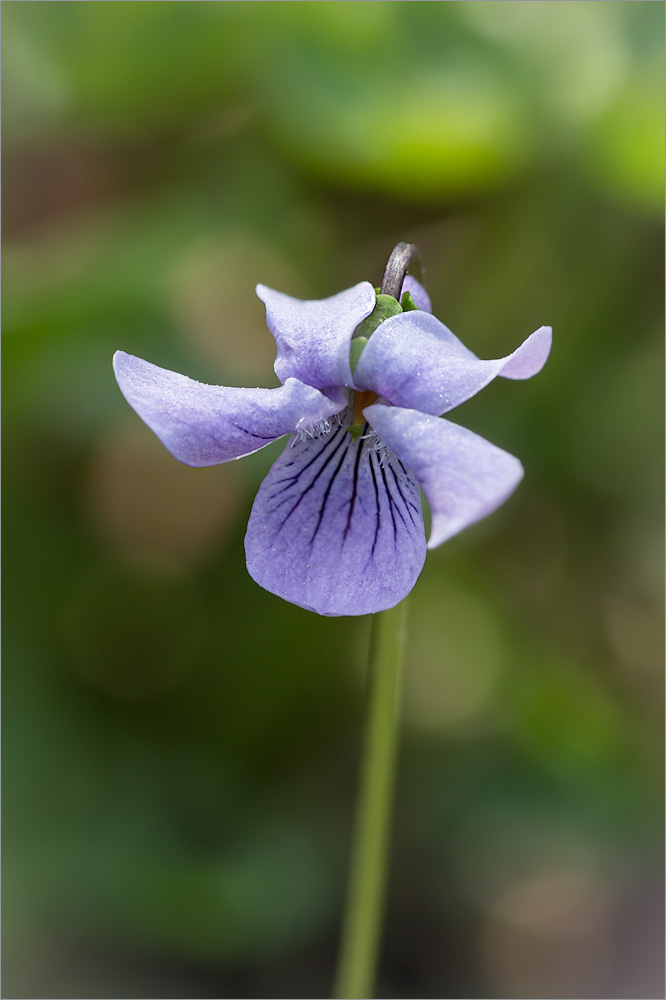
[{"x": 357, "y": 966}]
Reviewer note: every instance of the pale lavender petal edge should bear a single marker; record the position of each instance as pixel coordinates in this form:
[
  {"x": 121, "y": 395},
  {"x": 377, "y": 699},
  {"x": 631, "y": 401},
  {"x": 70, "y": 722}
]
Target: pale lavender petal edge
[
  {"x": 417, "y": 292},
  {"x": 313, "y": 336},
  {"x": 208, "y": 424},
  {"x": 416, "y": 362},
  {"x": 464, "y": 477}
]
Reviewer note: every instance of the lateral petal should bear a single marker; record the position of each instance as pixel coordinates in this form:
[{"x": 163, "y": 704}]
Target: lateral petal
[
  {"x": 313, "y": 337},
  {"x": 464, "y": 477},
  {"x": 415, "y": 361},
  {"x": 207, "y": 424},
  {"x": 336, "y": 529}
]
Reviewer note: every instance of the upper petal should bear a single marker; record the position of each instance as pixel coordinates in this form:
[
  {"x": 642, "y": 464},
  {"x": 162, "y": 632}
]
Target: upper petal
[
  {"x": 417, "y": 292},
  {"x": 464, "y": 477},
  {"x": 313, "y": 337},
  {"x": 415, "y": 361},
  {"x": 336, "y": 530},
  {"x": 207, "y": 424}
]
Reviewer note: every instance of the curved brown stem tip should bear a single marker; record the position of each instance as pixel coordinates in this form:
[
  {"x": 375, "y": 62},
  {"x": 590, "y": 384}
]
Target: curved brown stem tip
[{"x": 405, "y": 257}]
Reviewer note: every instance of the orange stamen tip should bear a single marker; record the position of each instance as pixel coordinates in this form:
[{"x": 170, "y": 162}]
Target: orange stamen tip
[{"x": 361, "y": 400}]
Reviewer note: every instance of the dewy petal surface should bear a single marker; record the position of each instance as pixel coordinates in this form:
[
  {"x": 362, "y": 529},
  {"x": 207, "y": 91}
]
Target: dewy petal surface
[
  {"x": 415, "y": 361},
  {"x": 335, "y": 530},
  {"x": 463, "y": 476},
  {"x": 313, "y": 337},
  {"x": 207, "y": 424}
]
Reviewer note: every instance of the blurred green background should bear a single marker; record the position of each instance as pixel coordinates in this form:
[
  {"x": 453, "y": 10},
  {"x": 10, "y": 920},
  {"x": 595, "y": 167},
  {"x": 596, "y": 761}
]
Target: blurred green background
[{"x": 180, "y": 747}]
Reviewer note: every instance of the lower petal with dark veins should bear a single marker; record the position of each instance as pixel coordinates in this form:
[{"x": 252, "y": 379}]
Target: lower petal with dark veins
[{"x": 337, "y": 527}]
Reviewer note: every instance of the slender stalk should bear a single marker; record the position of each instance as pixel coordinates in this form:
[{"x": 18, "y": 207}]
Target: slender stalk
[
  {"x": 357, "y": 964},
  {"x": 404, "y": 256}
]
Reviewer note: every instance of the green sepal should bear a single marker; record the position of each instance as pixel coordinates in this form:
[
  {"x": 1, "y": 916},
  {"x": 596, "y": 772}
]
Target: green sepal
[
  {"x": 386, "y": 307},
  {"x": 408, "y": 303},
  {"x": 355, "y": 351}
]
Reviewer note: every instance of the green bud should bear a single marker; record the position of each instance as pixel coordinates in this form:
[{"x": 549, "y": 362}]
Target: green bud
[
  {"x": 355, "y": 351},
  {"x": 386, "y": 307},
  {"x": 408, "y": 303}
]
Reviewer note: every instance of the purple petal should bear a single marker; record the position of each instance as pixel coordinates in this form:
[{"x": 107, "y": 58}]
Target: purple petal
[
  {"x": 463, "y": 476},
  {"x": 313, "y": 337},
  {"x": 207, "y": 424},
  {"x": 414, "y": 361},
  {"x": 335, "y": 529},
  {"x": 417, "y": 292}
]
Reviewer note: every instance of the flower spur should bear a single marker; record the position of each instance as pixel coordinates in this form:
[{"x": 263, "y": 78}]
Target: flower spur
[{"x": 337, "y": 526}]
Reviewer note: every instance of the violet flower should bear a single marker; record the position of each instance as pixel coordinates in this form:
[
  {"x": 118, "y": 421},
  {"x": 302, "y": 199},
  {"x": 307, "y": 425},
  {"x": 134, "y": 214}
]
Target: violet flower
[{"x": 336, "y": 526}]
